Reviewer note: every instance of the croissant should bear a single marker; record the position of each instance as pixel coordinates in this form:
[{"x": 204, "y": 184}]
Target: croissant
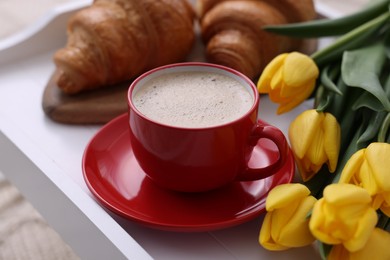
[
  {"x": 233, "y": 34},
  {"x": 115, "y": 40}
]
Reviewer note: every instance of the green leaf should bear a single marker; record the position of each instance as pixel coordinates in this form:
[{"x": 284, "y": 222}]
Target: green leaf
[
  {"x": 330, "y": 27},
  {"x": 352, "y": 40},
  {"x": 383, "y": 220},
  {"x": 374, "y": 123},
  {"x": 324, "y": 249},
  {"x": 338, "y": 105},
  {"x": 323, "y": 98},
  {"x": 369, "y": 101},
  {"x": 361, "y": 68},
  {"x": 366, "y": 99},
  {"x": 387, "y": 41},
  {"x": 328, "y": 75},
  {"x": 349, "y": 119},
  {"x": 384, "y": 129},
  {"x": 387, "y": 83},
  {"x": 324, "y": 102}
]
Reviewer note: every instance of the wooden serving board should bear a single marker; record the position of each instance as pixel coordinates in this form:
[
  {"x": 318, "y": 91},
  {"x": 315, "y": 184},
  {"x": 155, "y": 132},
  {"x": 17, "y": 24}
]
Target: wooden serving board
[{"x": 93, "y": 107}]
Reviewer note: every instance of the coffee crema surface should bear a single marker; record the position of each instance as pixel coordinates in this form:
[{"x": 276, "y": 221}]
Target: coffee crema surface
[{"x": 193, "y": 99}]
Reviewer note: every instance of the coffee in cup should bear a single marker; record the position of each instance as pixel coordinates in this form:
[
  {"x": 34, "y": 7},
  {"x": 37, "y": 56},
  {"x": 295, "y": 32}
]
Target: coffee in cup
[
  {"x": 193, "y": 127},
  {"x": 193, "y": 99}
]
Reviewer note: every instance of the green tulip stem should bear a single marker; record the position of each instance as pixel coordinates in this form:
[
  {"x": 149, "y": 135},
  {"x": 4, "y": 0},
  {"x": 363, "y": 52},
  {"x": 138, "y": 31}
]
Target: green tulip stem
[
  {"x": 387, "y": 225},
  {"x": 341, "y": 43},
  {"x": 330, "y": 27},
  {"x": 384, "y": 129},
  {"x": 338, "y": 105},
  {"x": 383, "y": 221}
]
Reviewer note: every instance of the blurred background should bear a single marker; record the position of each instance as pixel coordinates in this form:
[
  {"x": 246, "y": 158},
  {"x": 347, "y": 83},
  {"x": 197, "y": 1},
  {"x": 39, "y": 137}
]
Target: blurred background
[{"x": 17, "y": 14}]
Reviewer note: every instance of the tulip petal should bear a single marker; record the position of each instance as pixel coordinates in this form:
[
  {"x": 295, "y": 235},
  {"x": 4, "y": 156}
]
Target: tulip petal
[
  {"x": 316, "y": 152},
  {"x": 385, "y": 208},
  {"x": 286, "y": 224},
  {"x": 373, "y": 249},
  {"x": 376, "y": 246},
  {"x": 377, "y": 155},
  {"x": 302, "y": 90},
  {"x": 344, "y": 194},
  {"x": 302, "y": 130},
  {"x": 367, "y": 168},
  {"x": 277, "y": 81},
  {"x": 294, "y": 100},
  {"x": 316, "y": 224},
  {"x": 306, "y": 169},
  {"x": 274, "y": 95},
  {"x": 299, "y": 69},
  {"x": 343, "y": 216},
  {"x": 289, "y": 79},
  {"x": 352, "y": 167},
  {"x": 366, "y": 177},
  {"x": 282, "y": 195},
  {"x": 331, "y": 140},
  {"x": 377, "y": 201},
  {"x": 296, "y": 232},
  {"x": 281, "y": 218},
  {"x": 364, "y": 229},
  {"x": 265, "y": 238},
  {"x": 263, "y": 85}
]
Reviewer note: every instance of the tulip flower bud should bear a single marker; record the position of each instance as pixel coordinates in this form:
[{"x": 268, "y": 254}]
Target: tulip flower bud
[
  {"x": 315, "y": 140},
  {"x": 375, "y": 248},
  {"x": 369, "y": 168},
  {"x": 289, "y": 79},
  {"x": 343, "y": 216},
  {"x": 286, "y": 224}
]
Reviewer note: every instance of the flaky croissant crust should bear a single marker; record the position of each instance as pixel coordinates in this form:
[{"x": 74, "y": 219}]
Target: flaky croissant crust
[
  {"x": 233, "y": 34},
  {"x": 115, "y": 40}
]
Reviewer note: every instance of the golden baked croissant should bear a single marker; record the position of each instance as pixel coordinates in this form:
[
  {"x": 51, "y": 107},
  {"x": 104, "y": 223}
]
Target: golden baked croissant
[
  {"x": 232, "y": 30},
  {"x": 115, "y": 40}
]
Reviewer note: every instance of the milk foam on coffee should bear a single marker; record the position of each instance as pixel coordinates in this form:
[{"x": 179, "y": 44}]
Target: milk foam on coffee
[{"x": 193, "y": 99}]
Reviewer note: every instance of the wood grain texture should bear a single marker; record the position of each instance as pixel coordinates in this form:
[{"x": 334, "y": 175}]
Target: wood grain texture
[{"x": 93, "y": 107}]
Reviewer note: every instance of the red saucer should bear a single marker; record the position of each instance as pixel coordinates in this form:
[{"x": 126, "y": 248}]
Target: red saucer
[{"x": 116, "y": 180}]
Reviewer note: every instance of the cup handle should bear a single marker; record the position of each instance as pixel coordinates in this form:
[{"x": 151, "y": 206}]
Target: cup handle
[{"x": 272, "y": 133}]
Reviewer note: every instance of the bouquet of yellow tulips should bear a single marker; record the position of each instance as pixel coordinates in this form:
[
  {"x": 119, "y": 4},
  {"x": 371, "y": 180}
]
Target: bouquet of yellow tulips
[{"x": 342, "y": 145}]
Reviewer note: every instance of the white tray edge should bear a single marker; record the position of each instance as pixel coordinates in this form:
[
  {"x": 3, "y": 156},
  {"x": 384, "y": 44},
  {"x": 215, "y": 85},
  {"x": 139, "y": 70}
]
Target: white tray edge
[{"x": 47, "y": 33}]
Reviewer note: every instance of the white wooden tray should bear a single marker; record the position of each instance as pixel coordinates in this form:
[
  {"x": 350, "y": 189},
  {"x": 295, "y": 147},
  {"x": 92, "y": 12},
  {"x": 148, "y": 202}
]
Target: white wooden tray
[{"x": 43, "y": 159}]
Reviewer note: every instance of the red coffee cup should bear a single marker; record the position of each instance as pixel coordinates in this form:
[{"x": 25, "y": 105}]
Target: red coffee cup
[{"x": 196, "y": 159}]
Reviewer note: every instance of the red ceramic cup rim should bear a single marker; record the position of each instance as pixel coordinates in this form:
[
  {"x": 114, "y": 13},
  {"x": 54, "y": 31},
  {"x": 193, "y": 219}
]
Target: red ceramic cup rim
[{"x": 194, "y": 64}]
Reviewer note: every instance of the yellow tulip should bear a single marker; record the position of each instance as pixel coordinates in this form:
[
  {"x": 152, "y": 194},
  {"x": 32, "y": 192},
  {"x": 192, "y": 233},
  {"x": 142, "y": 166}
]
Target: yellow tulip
[
  {"x": 286, "y": 224},
  {"x": 289, "y": 79},
  {"x": 343, "y": 216},
  {"x": 375, "y": 248},
  {"x": 315, "y": 140},
  {"x": 369, "y": 168}
]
